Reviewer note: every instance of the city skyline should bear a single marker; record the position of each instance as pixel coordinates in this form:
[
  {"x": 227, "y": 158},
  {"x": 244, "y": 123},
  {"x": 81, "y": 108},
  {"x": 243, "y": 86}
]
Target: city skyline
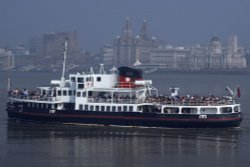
[{"x": 177, "y": 22}]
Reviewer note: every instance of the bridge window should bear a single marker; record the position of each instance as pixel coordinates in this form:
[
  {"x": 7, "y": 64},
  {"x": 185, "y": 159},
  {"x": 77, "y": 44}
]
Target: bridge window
[
  {"x": 108, "y": 108},
  {"x": 97, "y": 108},
  {"x": 86, "y": 107},
  {"x": 113, "y": 108},
  {"x": 119, "y": 108},
  {"x": 130, "y": 108},
  {"x": 102, "y": 108},
  {"x": 171, "y": 110},
  {"x": 73, "y": 79},
  {"x": 98, "y": 79},
  {"x": 80, "y": 86},
  {"x": 125, "y": 108},
  {"x": 80, "y": 80}
]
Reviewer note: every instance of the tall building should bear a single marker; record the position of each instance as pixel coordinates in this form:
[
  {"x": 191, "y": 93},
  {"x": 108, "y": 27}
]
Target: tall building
[
  {"x": 53, "y": 43},
  {"x": 235, "y": 55},
  {"x": 215, "y": 56},
  {"x": 7, "y": 60},
  {"x": 124, "y": 48},
  {"x": 129, "y": 49},
  {"x": 107, "y": 53},
  {"x": 36, "y": 47}
]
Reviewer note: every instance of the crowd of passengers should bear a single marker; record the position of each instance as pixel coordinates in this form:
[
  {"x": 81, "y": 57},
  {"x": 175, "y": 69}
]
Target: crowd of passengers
[
  {"x": 26, "y": 94},
  {"x": 164, "y": 99},
  {"x": 208, "y": 100}
]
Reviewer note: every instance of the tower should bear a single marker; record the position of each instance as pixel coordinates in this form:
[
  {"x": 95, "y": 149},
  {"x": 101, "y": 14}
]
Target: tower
[{"x": 124, "y": 46}]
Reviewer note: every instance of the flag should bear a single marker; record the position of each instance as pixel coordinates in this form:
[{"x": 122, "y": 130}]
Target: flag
[{"x": 238, "y": 91}]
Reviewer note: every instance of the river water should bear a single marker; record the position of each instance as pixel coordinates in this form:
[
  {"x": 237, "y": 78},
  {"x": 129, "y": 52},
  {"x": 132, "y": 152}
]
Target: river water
[{"x": 50, "y": 145}]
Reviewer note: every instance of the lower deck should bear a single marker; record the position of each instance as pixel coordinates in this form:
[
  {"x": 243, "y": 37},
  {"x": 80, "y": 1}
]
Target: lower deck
[{"x": 120, "y": 118}]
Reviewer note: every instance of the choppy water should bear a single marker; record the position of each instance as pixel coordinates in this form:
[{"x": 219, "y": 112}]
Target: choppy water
[{"x": 50, "y": 145}]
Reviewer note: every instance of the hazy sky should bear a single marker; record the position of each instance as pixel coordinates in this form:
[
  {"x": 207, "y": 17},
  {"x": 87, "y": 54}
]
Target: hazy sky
[{"x": 178, "y": 22}]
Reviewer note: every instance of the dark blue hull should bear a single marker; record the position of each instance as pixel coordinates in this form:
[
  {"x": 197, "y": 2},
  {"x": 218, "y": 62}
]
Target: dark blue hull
[{"x": 128, "y": 118}]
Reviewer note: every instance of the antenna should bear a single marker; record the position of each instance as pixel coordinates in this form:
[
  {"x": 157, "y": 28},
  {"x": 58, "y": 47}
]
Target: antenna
[{"x": 64, "y": 62}]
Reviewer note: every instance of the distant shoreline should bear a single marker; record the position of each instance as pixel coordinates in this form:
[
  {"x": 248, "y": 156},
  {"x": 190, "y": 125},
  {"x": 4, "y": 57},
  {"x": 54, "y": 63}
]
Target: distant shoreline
[{"x": 159, "y": 71}]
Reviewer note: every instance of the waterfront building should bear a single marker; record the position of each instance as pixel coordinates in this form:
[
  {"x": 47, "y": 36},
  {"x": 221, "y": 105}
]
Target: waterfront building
[
  {"x": 130, "y": 50},
  {"x": 107, "y": 53},
  {"x": 53, "y": 41},
  {"x": 7, "y": 60},
  {"x": 175, "y": 58},
  {"x": 143, "y": 51}
]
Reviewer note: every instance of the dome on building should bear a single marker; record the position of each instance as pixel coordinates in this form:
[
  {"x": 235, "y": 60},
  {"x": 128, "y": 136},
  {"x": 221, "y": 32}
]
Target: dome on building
[{"x": 215, "y": 38}]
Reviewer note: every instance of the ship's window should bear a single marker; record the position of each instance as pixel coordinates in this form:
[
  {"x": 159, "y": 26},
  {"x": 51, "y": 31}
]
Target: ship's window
[
  {"x": 236, "y": 109},
  {"x": 91, "y": 108},
  {"x": 186, "y": 110},
  {"x": 119, "y": 108},
  {"x": 150, "y": 108},
  {"x": 70, "y": 92},
  {"x": 108, "y": 108},
  {"x": 43, "y": 92},
  {"x": 125, "y": 108},
  {"x": 74, "y": 93},
  {"x": 130, "y": 108},
  {"x": 80, "y": 107},
  {"x": 28, "y": 104},
  {"x": 80, "y": 86},
  {"x": 171, "y": 110},
  {"x": 37, "y": 105},
  {"x": 80, "y": 80},
  {"x": 113, "y": 108},
  {"x": 59, "y": 93},
  {"x": 64, "y": 93},
  {"x": 78, "y": 94},
  {"x": 226, "y": 109},
  {"x": 73, "y": 79},
  {"x": 96, "y": 108},
  {"x": 47, "y": 106},
  {"x": 86, "y": 107},
  {"x": 139, "y": 108},
  {"x": 83, "y": 94},
  {"x": 42, "y": 105},
  {"x": 208, "y": 110},
  {"x": 90, "y": 93},
  {"x": 98, "y": 79},
  {"x": 102, "y": 108}
]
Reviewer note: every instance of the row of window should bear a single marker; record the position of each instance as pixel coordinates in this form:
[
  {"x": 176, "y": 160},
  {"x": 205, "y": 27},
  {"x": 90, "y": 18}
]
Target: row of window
[
  {"x": 66, "y": 93},
  {"x": 39, "y": 105},
  {"x": 88, "y": 79},
  {"x": 106, "y": 108},
  {"x": 175, "y": 110}
]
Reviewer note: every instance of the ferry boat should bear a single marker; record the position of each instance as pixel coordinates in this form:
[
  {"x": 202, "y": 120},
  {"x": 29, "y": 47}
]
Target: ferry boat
[{"x": 120, "y": 98}]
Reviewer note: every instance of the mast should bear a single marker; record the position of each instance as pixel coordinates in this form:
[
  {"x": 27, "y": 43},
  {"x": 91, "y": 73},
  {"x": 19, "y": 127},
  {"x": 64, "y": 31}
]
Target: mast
[{"x": 64, "y": 63}]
